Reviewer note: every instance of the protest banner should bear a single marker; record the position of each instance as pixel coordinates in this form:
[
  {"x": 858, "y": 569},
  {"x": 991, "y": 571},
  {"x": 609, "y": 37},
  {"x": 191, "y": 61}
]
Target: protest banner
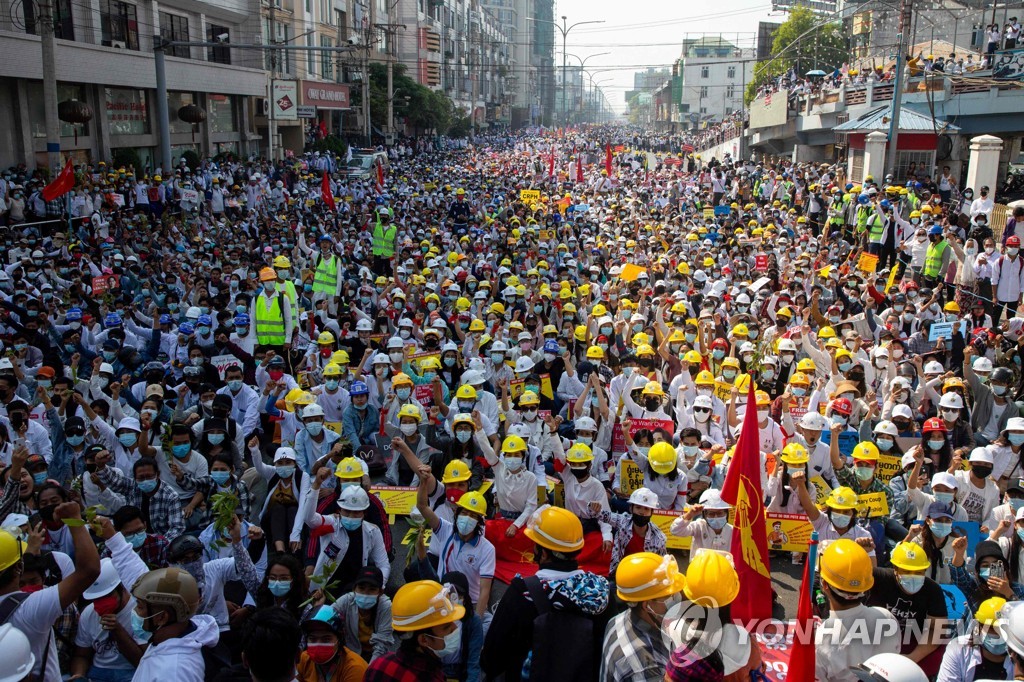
[
  {"x": 517, "y": 386},
  {"x": 722, "y": 211},
  {"x": 103, "y": 284},
  {"x": 847, "y": 441},
  {"x": 397, "y": 500},
  {"x": 940, "y": 330},
  {"x": 529, "y": 196},
  {"x": 867, "y": 262},
  {"x": 333, "y": 426},
  {"x": 630, "y": 477},
  {"x": 630, "y": 272},
  {"x": 888, "y": 466},
  {"x": 663, "y": 518},
  {"x": 873, "y": 504},
  {"x": 709, "y": 213},
  {"x": 619, "y": 443},
  {"x": 972, "y": 530},
  {"x": 788, "y": 532},
  {"x": 761, "y": 262},
  {"x": 222, "y": 362},
  {"x": 821, "y": 490},
  {"x": 425, "y": 394}
]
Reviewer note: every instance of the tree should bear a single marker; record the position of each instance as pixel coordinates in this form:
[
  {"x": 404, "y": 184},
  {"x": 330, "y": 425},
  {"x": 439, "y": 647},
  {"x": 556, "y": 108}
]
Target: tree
[
  {"x": 425, "y": 110},
  {"x": 801, "y": 44}
]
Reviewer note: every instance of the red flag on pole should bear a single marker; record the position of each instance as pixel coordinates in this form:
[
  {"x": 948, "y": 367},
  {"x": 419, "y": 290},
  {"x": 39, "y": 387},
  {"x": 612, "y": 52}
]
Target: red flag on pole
[
  {"x": 326, "y": 193},
  {"x": 608, "y": 159},
  {"x": 551, "y": 164},
  {"x": 380, "y": 176},
  {"x": 742, "y": 489},
  {"x": 61, "y": 185},
  {"x": 579, "y": 168},
  {"x": 801, "y": 657}
]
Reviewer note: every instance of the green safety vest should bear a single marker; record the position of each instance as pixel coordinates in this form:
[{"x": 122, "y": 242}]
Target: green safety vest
[
  {"x": 933, "y": 258},
  {"x": 877, "y": 227},
  {"x": 325, "y": 278},
  {"x": 269, "y": 321},
  {"x": 862, "y": 217},
  {"x": 384, "y": 241}
]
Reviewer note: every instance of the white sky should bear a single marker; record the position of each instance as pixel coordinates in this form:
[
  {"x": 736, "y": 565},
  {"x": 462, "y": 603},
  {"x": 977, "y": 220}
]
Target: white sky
[{"x": 642, "y": 33}]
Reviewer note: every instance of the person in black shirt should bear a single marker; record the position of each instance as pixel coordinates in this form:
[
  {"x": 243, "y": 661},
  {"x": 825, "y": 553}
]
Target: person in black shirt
[
  {"x": 917, "y": 602},
  {"x": 459, "y": 211}
]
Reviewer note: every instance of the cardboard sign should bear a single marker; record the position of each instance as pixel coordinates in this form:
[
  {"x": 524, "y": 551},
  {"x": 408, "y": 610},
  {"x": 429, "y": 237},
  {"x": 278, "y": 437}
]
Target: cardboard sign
[
  {"x": 630, "y": 272},
  {"x": 222, "y": 362},
  {"x": 722, "y": 211},
  {"x": 516, "y": 387},
  {"x": 101, "y": 285},
  {"x": 939, "y": 330},
  {"x": 333, "y": 426},
  {"x": 874, "y": 504},
  {"x": 190, "y": 196},
  {"x": 424, "y": 393},
  {"x": 867, "y": 262},
  {"x": 821, "y": 490},
  {"x": 619, "y": 442},
  {"x": 723, "y": 390},
  {"x": 892, "y": 279},
  {"x": 788, "y": 532},
  {"x": 397, "y": 500},
  {"x": 760, "y": 282},
  {"x": 545, "y": 235},
  {"x": 529, "y": 196},
  {"x": 888, "y": 466},
  {"x": 761, "y": 262},
  {"x": 630, "y": 477},
  {"x": 663, "y": 518}
]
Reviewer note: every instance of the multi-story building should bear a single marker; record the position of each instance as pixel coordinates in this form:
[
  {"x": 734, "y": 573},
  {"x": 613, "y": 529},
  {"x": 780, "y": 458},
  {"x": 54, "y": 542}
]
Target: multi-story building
[
  {"x": 712, "y": 74},
  {"x": 104, "y": 59}
]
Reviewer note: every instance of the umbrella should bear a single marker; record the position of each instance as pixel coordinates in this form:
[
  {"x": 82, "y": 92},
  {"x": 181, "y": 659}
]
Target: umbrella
[{"x": 815, "y": 72}]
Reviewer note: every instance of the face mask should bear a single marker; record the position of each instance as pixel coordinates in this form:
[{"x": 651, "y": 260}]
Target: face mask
[
  {"x": 864, "y": 473},
  {"x": 1016, "y": 439},
  {"x": 279, "y": 588},
  {"x": 270, "y": 287},
  {"x": 452, "y": 642},
  {"x": 147, "y": 486},
  {"x": 936, "y": 444},
  {"x": 466, "y": 406},
  {"x": 586, "y": 440},
  {"x": 1020, "y": 533},
  {"x": 690, "y": 338},
  {"x": 497, "y": 358},
  {"x": 841, "y": 520},
  {"x": 1012, "y": 251},
  {"x": 138, "y": 627},
  {"x": 136, "y": 540},
  {"x": 234, "y": 385},
  {"x": 717, "y": 522},
  {"x": 950, "y": 415},
  {"x": 39, "y": 478},
  {"x": 351, "y": 524},
  {"x": 718, "y": 354},
  {"x": 285, "y": 471},
  {"x": 408, "y": 429},
  {"x": 465, "y": 524},
  {"x": 982, "y": 472},
  {"x": 994, "y": 645},
  {"x": 581, "y": 473},
  {"x": 314, "y": 428},
  {"x": 728, "y": 375},
  {"x": 762, "y": 415},
  {"x": 321, "y": 653},
  {"x": 109, "y": 355},
  {"x": 944, "y": 498},
  {"x": 911, "y": 584},
  {"x": 652, "y": 404},
  {"x": 884, "y": 444},
  {"x": 220, "y": 477},
  {"x": 799, "y": 391},
  {"x": 128, "y": 439},
  {"x": 941, "y": 530},
  {"x": 403, "y": 393},
  {"x": 181, "y": 450},
  {"x": 768, "y": 374},
  {"x": 365, "y": 601}
]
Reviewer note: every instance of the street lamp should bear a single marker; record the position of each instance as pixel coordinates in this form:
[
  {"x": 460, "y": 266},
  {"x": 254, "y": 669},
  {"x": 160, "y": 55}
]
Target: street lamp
[
  {"x": 564, "y": 29},
  {"x": 583, "y": 64}
]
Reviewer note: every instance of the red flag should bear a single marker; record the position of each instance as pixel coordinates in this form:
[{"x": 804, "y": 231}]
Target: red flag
[
  {"x": 608, "y": 159},
  {"x": 323, "y": 129},
  {"x": 325, "y": 192},
  {"x": 61, "y": 185},
  {"x": 551, "y": 164},
  {"x": 801, "y": 657},
  {"x": 579, "y": 169},
  {"x": 380, "y": 176},
  {"x": 742, "y": 489}
]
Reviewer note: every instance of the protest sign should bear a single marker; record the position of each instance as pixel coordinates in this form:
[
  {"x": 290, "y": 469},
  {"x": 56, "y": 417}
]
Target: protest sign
[
  {"x": 630, "y": 476},
  {"x": 529, "y": 196},
  {"x": 619, "y": 442},
  {"x": 867, "y": 262},
  {"x": 222, "y": 362}
]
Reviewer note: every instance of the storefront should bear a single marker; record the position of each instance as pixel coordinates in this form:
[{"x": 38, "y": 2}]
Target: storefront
[{"x": 331, "y": 100}]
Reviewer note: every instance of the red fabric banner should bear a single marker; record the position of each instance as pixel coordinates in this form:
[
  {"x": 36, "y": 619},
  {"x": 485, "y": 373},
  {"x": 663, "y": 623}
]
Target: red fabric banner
[
  {"x": 514, "y": 556},
  {"x": 61, "y": 185}
]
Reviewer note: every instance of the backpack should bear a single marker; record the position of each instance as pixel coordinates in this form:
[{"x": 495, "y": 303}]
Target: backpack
[{"x": 563, "y": 641}]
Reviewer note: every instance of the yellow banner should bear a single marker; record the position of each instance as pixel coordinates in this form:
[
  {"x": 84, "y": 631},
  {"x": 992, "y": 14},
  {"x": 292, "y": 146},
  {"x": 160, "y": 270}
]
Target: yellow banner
[
  {"x": 630, "y": 476},
  {"x": 874, "y": 504},
  {"x": 892, "y": 279},
  {"x": 723, "y": 390},
  {"x": 788, "y": 532},
  {"x": 630, "y": 272},
  {"x": 867, "y": 262},
  {"x": 517, "y": 386},
  {"x": 663, "y": 520},
  {"x": 397, "y": 500},
  {"x": 545, "y": 235},
  {"x": 529, "y": 196},
  {"x": 888, "y": 466},
  {"x": 334, "y": 426},
  {"x": 821, "y": 490},
  {"x": 709, "y": 213}
]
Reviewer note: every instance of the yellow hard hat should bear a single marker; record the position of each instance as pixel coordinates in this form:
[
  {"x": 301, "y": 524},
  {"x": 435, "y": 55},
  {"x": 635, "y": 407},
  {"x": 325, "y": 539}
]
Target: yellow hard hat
[
  {"x": 740, "y": 330},
  {"x": 474, "y": 502},
  {"x": 795, "y": 454},
  {"x": 332, "y": 370},
  {"x": 761, "y": 398},
  {"x": 662, "y": 458},
  {"x": 421, "y": 605},
  {"x": 842, "y": 498},
  {"x": 463, "y": 418},
  {"x": 529, "y": 398},
  {"x": 340, "y": 357},
  {"x": 711, "y": 580},
  {"x": 693, "y": 357},
  {"x": 731, "y": 362},
  {"x": 349, "y": 468},
  {"x": 951, "y": 307},
  {"x": 644, "y": 350},
  {"x": 11, "y": 550},
  {"x": 826, "y": 333},
  {"x": 401, "y": 379},
  {"x": 595, "y": 353},
  {"x": 497, "y": 308},
  {"x": 325, "y": 338},
  {"x": 513, "y": 444},
  {"x": 466, "y": 392},
  {"x": 865, "y": 451},
  {"x": 579, "y": 453},
  {"x": 282, "y": 262},
  {"x": 268, "y": 275},
  {"x": 556, "y": 529},
  {"x": 806, "y": 365},
  {"x": 456, "y": 471},
  {"x": 988, "y": 610},
  {"x": 304, "y": 398},
  {"x": 909, "y": 556},
  {"x": 477, "y": 325},
  {"x": 580, "y": 333},
  {"x": 599, "y": 310},
  {"x": 846, "y": 566},
  {"x": 290, "y": 396},
  {"x": 799, "y": 379},
  {"x": 646, "y": 575},
  {"x": 411, "y": 411},
  {"x": 653, "y": 388},
  {"x": 705, "y": 378}
]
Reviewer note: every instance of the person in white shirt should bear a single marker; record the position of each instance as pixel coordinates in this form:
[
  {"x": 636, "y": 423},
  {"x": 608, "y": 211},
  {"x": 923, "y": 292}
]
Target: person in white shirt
[
  {"x": 978, "y": 493},
  {"x": 104, "y": 626},
  {"x": 712, "y": 530},
  {"x": 983, "y": 204}
]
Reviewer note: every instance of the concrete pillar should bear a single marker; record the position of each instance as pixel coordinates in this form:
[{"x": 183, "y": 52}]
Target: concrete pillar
[
  {"x": 874, "y": 155},
  {"x": 983, "y": 166}
]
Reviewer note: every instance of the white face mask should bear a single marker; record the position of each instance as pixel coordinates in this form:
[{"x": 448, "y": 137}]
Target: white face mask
[{"x": 408, "y": 429}]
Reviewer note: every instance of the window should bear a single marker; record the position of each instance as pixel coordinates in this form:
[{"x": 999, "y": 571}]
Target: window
[
  {"x": 63, "y": 25},
  {"x": 703, "y": 91},
  {"x": 127, "y": 113},
  {"x": 684, "y": 108},
  {"x": 175, "y": 28},
  {"x": 326, "y": 12},
  {"x": 732, "y": 72},
  {"x": 119, "y": 25},
  {"x": 730, "y": 91},
  {"x": 311, "y": 57},
  {"x": 221, "y": 113},
  {"x": 309, "y": 6},
  {"x": 923, "y": 159},
  {"x": 728, "y": 111},
  {"x": 703, "y": 110},
  {"x": 216, "y": 33},
  {"x": 37, "y": 117},
  {"x": 327, "y": 59},
  {"x": 705, "y": 72}
]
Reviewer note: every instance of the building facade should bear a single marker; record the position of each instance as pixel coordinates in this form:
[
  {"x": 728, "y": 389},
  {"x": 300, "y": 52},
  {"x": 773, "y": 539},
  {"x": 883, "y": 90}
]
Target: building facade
[{"x": 713, "y": 73}]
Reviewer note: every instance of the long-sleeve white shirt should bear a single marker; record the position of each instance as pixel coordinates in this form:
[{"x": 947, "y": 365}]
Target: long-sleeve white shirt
[{"x": 1008, "y": 278}]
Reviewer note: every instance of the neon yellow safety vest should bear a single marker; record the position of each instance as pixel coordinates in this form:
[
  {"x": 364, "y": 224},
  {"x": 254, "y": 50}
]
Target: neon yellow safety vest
[
  {"x": 933, "y": 258},
  {"x": 293, "y": 297},
  {"x": 384, "y": 240},
  {"x": 269, "y": 321},
  {"x": 862, "y": 217},
  {"x": 325, "y": 279},
  {"x": 877, "y": 227}
]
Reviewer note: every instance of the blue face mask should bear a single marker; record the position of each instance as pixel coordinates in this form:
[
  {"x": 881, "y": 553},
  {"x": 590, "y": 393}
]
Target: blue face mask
[
  {"x": 181, "y": 450},
  {"x": 718, "y": 354},
  {"x": 109, "y": 355},
  {"x": 799, "y": 391},
  {"x": 39, "y": 478},
  {"x": 844, "y": 366},
  {"x": 136, "y": 540},
  {"x": 936, "y": 444},
  {"x": 941, "y": 530},
  {"x": 884, "y": 444},
  {"x": 718, "y": 522},
  {"x": 365, "y": 601},
  {"x": 351, "y": 524},
  {"x": 331, "y": 384},
  {"x": 1016, "y": 438},
  {"x": 466, "y": 525},
  {"x": 944, "y": 498},
  {"x": 985, "y": 573},
  {"x": 314, "y": 428},
  {"x": 279, "y": 588},
  {"x": 220, "y": 477},
  {"x": 147, "y": 486},
  {"x": 994, "y": 644},
  {"x": 285, "y": 471},
  {"x": 128, "y": 439},
  {"x": 215, "y": 438},
  {"x": 234, "y": 385},
  {"x": 75, "y": 441},
  {"x": 138, "y": 629},
  {"x": 403, "y": 393}
]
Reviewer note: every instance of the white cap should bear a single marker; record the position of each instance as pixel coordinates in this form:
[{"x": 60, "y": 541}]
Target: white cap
[
  {"x": 712, "y": 499},
  {"x": 285, "y": 453},
  {"x": 5, "y": 363},
  {"x": 354, "y": 498},
  {"x": 524, "y": 336},
  {"x": 524, "y": 364},
  {"x": 903, "y": 411},
  {"x": 951, "y": 400},
  {"x": 702, "y": 401},
  {"x": 499, "y": 347},
  {"x": 1015, "y": 424},
  {"x": 881, "y": 352},
  {"x": 945, "y": 478},
  {"x": 521, "y": 430},
  {"x": 813, "y": 421},
  {"x": 981, "y": 455},
  {"x": 129, "y": 423},
  {"x": 313, "y": 410},
  {"x": 15, "y": 520},
  {"x": 902, "y": 382},
  {"x": 644, "y": 498},
  {"x": 105, "y": 584}
]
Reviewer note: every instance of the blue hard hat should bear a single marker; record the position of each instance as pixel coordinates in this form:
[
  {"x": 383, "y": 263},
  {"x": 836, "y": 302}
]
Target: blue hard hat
[
  {"x": 112, "y": 320},
  {"x": 849, "y": 186},
  {"x": 884, "y": 203},
  {"x": 204, "y": 321},
  {"x": 863, "y": 198},
  {"x": 935, "y": 229},
  {"x": 73, "y": 315},
  {"x": 358, "y": 388},
  {"x": 325, "y": 237},
  {"x": 551, "y": 346},
  {"x": 241, "y": 320},
  {"x": 186, "y": 329},
  {"x": 325, "y": 615},
  {"x": 918, "y": 185},
  {"x": 165, "y": 319}
]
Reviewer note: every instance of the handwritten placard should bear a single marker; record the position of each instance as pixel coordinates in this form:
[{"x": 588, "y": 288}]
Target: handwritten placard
[
  {"x": 630, "y": 478},
  {"x": 223, "y": 362}
]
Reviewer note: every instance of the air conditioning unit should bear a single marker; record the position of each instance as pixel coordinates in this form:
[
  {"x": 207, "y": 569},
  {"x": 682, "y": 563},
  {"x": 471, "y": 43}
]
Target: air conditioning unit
[
  {"x": 263, "y": 106},
  {"x": 118, "y": 44}
]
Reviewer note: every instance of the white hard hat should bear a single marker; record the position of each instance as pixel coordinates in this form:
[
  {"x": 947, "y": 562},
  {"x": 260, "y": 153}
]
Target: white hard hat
[
  {"x": 890, "y": 668},
  {"x": 472, "y": 377},
  {"x": 945, "y": 478},
  {"x": 703, "y": 401},
  {"x": 524, "y": 364},
  {"x": 499, "y": 347},
  {"x": 354, "y": 498},
  {"x": 933, "y": 367},
  {"x": 193, "y": 313},
  {"x": 16, "y": 653},
  {"x": 747, "y": 347},
  {"x": 521, "y": 430},
  {"x": 699, "y": 276},
  {"x": 734, "y": 648},
  {"x": 105, "y": 584},
  {"x": 585, "y": 424},
  {"x": 787, "y": 346},
  {"x": 712, "y": 499},
  {"x": 313, "y": 410},
  {"x": 981, "y": 455},
  {"x": 364, "y": 326},
  {"x": 644, "y": 498},
  {"x": 285, "y": 453},
  {"x": 982, "y": 364},
  {"x": 814, "y": 421},
  {"x": 396, "y": 342},
  {"x": 381, "y": 359},
  {"x": 524, "y": 336},
  {"x": 887, "y": 427},
  {"x": 951, "y": 400},
  {"x": 743, "y": 299}
]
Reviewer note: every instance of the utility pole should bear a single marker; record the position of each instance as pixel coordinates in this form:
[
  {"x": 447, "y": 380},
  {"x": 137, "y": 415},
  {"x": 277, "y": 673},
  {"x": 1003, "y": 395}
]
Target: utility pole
[
  {"x": 906, "y": 15},
  {"x": 48, "y": 42},
  {"x": 271, "y": 121}
]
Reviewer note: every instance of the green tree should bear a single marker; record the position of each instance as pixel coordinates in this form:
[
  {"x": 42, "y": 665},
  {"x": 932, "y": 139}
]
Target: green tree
[
  {"x": 424, "y": 109},
  {"x": 802, "y": 43}
]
